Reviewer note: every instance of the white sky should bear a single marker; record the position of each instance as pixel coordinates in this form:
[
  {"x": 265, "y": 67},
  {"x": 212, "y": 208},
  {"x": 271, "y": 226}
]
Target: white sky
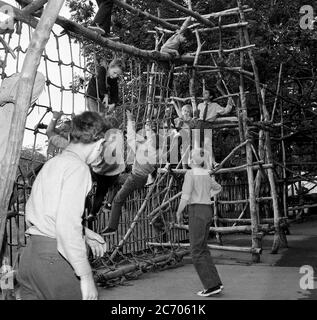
[{"x": 59, "y": 100}]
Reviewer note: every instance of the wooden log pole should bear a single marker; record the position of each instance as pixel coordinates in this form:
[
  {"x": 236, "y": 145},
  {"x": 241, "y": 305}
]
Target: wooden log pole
[
  {"x": 279, "y": 236},
  {"x": 104, "y": 274},
  {"x": 224, "y": 230},
  {"x": 145, "y": 14},
  {"x": 224, "y": 27},
  {"x": 9, "y": 165},
  {"x": 210, "y": 246},
  {"x": 33, "y": 6},
  {"x": 191, "y": 13},
  {"x": 227, "y": 12},
  {"x": 227, "y": 170},
  {"x": 80, "y": 32},
  {"x": 256, "y": 241}
]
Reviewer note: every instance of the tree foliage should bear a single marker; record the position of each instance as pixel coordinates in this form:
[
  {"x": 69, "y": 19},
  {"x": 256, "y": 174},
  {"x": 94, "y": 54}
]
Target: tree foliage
[{"x": 275, "y": 30}]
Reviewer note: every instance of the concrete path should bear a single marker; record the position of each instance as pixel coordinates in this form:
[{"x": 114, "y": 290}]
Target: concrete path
[{"x": 276, "y": 277}]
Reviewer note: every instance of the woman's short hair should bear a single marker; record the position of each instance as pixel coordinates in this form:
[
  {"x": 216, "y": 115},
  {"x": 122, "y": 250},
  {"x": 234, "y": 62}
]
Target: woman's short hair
[{"x": 87, "y": 127}]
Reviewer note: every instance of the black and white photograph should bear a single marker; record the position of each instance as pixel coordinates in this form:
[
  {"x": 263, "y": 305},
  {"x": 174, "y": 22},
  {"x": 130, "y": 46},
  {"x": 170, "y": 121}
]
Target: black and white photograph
[{"x": 158, "y": 156}]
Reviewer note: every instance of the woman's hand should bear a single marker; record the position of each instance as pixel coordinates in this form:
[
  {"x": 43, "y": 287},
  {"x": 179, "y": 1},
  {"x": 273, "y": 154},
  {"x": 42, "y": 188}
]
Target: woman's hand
[
  {"x": 96, "y": 243},
  {"x": 88, "y": 287}
]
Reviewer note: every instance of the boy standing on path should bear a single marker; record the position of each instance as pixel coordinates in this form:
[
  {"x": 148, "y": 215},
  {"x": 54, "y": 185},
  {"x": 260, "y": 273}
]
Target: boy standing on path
[{"x": 198, "y": 189}]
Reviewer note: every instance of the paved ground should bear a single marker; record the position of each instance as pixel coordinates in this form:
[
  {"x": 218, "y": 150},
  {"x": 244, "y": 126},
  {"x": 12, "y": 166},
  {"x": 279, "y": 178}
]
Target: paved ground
[{"x": 276, "y": 277}]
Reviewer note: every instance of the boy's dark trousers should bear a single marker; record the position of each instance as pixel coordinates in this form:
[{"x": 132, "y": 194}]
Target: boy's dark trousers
[
  {"x": 200, "y": 219},
  {"x": 103, "y": 16},
  {"x": 104, "y": 183},
  {"x": 132, "y": 183}
]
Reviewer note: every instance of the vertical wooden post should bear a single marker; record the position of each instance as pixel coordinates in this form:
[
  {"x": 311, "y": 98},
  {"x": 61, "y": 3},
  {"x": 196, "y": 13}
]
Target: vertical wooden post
[
  {"x": 279, "y": 237},
  {"x": 285, "y": 191},
  {"x": 256, "y": 239},
  {"x": 9, "y": 164}
]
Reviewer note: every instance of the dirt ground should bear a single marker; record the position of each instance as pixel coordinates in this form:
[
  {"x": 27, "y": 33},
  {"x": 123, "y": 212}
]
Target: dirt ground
[{"x": 276, "y": 277}]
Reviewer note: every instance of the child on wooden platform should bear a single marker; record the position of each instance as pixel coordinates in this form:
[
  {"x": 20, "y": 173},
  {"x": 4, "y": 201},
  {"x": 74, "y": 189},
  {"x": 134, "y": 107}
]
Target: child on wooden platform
[
  {"x": 174, "y": 47},
  {"x": 208, "y": 111},
  {"x": 198, "y": 189},
  {"x": 183, "y": 124},
  {"x": 144, "y": 164}
]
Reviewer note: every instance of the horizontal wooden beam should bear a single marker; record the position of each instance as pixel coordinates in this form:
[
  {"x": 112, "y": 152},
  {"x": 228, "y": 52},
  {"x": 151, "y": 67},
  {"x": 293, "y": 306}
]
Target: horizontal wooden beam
[
  {"x": 227, "y": 170},
  {"x": 210, "y": 246},
  {"x": 191, "y": 13},
  {"x": 145, "y": 14},
  {"x": 82, "y": 32},
  {"x": 224, "y": 27},
  {"x": 227, "y": 12}
]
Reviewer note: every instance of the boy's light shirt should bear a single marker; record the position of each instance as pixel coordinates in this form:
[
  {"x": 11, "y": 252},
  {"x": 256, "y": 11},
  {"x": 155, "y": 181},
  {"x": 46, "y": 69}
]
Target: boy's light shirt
[{"x": 199, "y": 187}]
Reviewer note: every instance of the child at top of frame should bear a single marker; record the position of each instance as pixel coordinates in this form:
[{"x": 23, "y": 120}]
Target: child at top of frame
[
  {"x": 102, "y": 20},
  {"x": 108, "y": 89},
  {"x": 173, "y": 45},
  {"x": 54, "y": 265},
  {"x": 58, "y": 134},
  {"x": 198, "y": 189}
]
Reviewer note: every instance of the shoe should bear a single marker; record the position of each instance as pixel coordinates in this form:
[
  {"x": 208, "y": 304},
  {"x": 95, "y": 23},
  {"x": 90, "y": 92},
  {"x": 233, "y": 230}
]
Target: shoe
[
  {"x": 97, "y": 29},
  {"x": 108, "y": 231},
  {"x": 209, "y": 292}
]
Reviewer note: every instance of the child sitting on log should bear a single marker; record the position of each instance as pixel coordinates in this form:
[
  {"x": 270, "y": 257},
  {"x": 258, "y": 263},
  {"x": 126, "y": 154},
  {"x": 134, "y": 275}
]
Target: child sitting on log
[
  {"x": 173, "y": 44},
  {"x": 198, "y": 189},
  {"x": 144, "y": 164}
]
